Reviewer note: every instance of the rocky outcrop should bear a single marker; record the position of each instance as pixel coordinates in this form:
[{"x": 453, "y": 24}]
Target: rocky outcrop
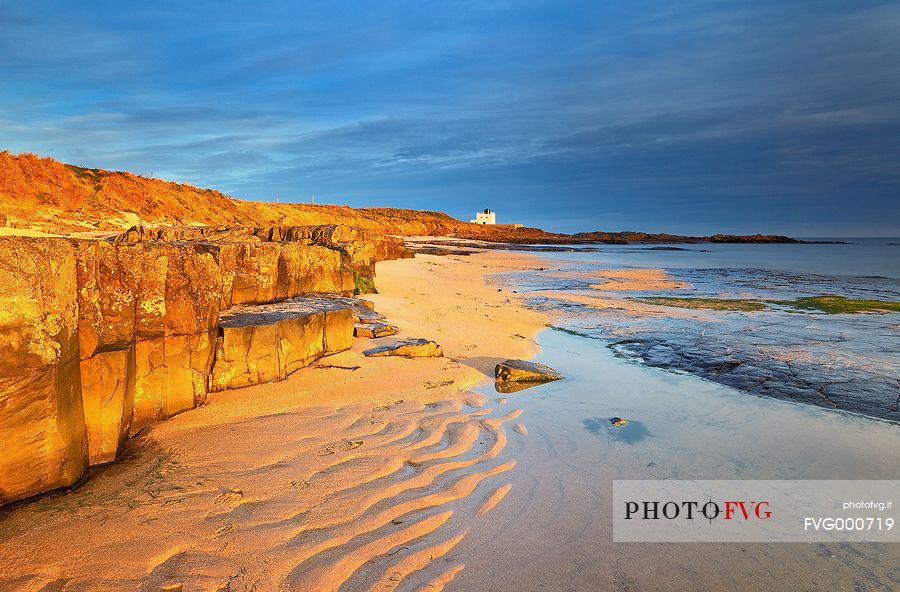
[
  {"x": 175, "y": 328},
  {"x": 409, "y": 348},
  {"x": 524, "y": 371},
  {"x": 42, "y": 426},
  {"x": 266, "y": 343},
  {"x": 263, "y": 249},
  {"x": 374, "y": 330},
  {"x": 101, "y": 338},
  {"x": 255, "y": 273},
  {"x": 147, "y": 319},
  {"x": 361, "y": 248}
]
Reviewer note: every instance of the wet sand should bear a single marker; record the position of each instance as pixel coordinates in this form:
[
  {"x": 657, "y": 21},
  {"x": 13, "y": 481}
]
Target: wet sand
[
  {"x": 349, "y": 473},
  {"x": 626, "y": 280}
]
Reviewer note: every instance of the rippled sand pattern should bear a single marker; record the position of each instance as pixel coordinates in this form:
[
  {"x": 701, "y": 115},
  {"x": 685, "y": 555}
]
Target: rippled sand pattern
[{"x": 355, "y": 498}]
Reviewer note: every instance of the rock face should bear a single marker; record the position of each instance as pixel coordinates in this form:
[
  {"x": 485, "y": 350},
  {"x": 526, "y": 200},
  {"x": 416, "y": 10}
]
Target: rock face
[
  {"x": 523, "y": 371},
  {"x": 266, "y": 343},
  {"x": 42, "y": 430},
  {"x": 101, "y": 338},
  {"x": 257, "y": 272},
  {"x": 374, "y": 330},
  {"x": 177, "y": 314},
  {"x": 269, "y": 254},
  {"x": 410, "y": 348}
]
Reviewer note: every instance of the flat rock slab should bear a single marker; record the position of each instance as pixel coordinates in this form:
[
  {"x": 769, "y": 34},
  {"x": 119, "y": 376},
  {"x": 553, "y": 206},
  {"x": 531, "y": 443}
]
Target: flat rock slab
[
  {"x": 246, "y": 315},
  {"x": 523, "y": 371},
  {"x": 374, "y": 330},
  {"x": 267, "y": 342},
  {"x": 410, "y": 348}
]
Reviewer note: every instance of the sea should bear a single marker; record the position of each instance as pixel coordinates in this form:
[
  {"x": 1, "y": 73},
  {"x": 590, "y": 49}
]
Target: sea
[{"x": 684, "y": 420}]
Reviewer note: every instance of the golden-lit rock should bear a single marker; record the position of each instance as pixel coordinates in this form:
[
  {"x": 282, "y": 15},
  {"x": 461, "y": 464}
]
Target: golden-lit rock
[
  {"x": 42, "y": 432},
  {"x": 261, "y": 272},
  {"x": 175, "y": 329},
  {"x": 107, "y": 390},
  {"x": 338, "y": 330},
  {"x": 266, "y": 343},
  {"x": 409, "y": 348},
  {"x": 374, "y": 330},
  {"x": 524, "y": 371},
  {"x": 108, "y": 283}
]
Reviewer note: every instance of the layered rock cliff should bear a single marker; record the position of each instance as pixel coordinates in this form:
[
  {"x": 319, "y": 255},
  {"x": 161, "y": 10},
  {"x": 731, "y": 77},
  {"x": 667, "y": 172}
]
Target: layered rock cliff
[{"x": 100, "y": 338}]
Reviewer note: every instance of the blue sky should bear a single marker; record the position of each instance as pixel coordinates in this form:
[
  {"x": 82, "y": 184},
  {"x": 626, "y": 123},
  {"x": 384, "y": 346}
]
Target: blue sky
[{"x": 695, "y": 116}]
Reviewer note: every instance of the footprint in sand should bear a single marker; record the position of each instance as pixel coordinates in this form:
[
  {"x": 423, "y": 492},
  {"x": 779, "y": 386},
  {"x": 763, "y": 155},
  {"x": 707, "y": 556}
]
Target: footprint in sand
[
  {"x": 229, "y": 496},
  {"x": 344, "y": 446}
]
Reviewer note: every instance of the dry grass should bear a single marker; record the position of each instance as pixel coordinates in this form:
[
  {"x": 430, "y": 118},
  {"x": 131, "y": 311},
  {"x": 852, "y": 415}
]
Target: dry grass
[{"x": 47, "y": 195}]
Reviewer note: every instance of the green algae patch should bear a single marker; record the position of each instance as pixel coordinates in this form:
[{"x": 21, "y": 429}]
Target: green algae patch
[
  {"x": 746, "y": 305},
  {"x": 363, "y": 285},
  {"x": 830, "y": 304}
]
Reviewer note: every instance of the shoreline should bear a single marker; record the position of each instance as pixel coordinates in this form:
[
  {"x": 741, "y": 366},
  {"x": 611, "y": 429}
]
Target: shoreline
[{"x": 195, "y": 494}]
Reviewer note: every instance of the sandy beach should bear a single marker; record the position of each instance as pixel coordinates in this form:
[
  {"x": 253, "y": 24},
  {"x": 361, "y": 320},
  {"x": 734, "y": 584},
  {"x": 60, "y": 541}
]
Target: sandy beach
[{"x": 342, "y": 475}]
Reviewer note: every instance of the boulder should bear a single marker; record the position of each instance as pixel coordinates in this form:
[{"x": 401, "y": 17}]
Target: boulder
[
  {"x": 410, "y": 348},
  {"x": 524, "y": 371},
  {"x": 374, "y": 330},
  {"x": 42, "y": 430}
]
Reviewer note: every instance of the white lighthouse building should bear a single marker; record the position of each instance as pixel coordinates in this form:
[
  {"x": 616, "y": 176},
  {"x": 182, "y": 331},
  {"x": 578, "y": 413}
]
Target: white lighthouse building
[{"x": 485, "y": 217}]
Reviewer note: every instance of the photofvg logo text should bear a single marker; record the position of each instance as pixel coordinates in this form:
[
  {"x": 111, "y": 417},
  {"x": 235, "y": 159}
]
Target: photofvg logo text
[
  {"x": 691, "y": 510},
  {"x": 754, "y": 511}
]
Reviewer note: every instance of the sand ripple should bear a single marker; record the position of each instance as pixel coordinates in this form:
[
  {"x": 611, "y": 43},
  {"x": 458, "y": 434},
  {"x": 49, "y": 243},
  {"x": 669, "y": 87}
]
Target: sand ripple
[{"x": 349, "y": 498}]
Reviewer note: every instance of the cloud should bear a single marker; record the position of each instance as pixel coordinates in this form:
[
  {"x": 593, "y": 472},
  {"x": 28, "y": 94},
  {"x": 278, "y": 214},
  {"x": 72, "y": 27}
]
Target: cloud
[{"x": 656, "y": 112}]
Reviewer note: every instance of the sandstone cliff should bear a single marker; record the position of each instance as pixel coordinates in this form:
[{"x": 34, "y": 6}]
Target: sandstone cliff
[{"x": 101, "y": 338}]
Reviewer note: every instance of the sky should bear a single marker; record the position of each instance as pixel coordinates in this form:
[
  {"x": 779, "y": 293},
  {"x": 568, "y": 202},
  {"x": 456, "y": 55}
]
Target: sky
[{"x": 692, "y": 117}]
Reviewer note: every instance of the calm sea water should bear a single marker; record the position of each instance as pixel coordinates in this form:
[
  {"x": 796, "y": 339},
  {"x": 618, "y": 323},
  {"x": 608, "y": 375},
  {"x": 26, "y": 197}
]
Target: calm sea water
[
  {"x": 554, "y": 529},
  {"x": 858, "y": 257},
  {"x": 843, "y": 361}
]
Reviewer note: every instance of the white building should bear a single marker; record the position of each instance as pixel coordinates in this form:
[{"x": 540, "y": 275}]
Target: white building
[{"x": 485, "y": 217}]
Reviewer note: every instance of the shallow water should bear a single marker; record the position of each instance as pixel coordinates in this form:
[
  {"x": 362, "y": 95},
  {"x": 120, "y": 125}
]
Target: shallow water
[
  {"x": 843, "y": 361},
  {"x": 554, "y": 529},
  {"x": 858, "y": 257}
]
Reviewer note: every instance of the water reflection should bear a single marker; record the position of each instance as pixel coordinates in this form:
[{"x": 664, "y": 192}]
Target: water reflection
[
  {"x": 629, "y": 433},
  {"x": 502, "y": 386}
]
